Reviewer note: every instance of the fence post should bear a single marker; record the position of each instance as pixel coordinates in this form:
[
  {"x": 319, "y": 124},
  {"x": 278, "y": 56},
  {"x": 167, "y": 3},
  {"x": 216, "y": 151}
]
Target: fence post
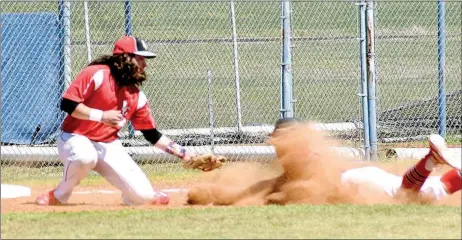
[
  {"x": 236, "y": 68},
  {"x": 286, "y": 71},
  {"x": 211, "y": 114},
  {"x": 87, "y": 30},
  {"x": 363, "y": 64},
  {"x": 128, "y": 18},
  {"x": 64, "y": 19},
  {"x": 129, "y": 32},
  {"x": 371, "y": 79},
  {"x": 441, "y": 69}
]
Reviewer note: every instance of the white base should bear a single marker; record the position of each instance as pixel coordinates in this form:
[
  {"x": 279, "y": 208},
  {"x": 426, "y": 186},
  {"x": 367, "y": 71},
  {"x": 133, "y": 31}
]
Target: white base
[{"x": 15, "y": 191}]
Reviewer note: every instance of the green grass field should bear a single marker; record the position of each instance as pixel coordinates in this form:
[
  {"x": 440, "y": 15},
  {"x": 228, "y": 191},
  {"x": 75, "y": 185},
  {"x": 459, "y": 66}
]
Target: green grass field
[{"x": 269, "y": 222}]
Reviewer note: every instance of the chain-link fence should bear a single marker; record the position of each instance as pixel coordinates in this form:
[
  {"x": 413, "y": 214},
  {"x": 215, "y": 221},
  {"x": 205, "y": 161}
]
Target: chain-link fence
[
  {"x": 326, "y": 56},
  {"x": 407, "y": 69},
  {"x": 192, "y": 37}
]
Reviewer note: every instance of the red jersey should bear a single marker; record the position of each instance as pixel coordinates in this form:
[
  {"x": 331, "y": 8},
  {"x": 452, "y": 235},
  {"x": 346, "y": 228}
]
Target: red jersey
[{"x": 95, "y": 87}]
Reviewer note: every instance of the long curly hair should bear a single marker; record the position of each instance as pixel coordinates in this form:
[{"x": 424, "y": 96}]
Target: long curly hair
[{"x": 123, "y": 70}]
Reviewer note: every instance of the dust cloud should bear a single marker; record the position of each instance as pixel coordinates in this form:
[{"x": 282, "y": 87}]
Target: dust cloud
[{"x": 306, "y": 170}]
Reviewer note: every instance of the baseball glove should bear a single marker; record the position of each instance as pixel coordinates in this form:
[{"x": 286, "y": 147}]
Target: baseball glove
[{"x": 205, "y": 162}]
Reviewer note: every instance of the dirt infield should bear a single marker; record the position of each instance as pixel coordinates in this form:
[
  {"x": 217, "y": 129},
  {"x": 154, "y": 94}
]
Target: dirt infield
[
  {"x": 113, "y": 201},
  {"x": 84, "y": 199}
]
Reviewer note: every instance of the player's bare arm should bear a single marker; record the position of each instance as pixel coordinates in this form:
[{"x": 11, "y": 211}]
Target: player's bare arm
[
  {"x": 204, "y": 162},
  {"x": 171, "y": 147},
  {"x": 166, "y": 144}
]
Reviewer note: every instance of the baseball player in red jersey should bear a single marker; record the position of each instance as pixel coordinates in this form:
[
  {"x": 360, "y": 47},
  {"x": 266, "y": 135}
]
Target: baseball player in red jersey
[{"x": 99, "y": 102}]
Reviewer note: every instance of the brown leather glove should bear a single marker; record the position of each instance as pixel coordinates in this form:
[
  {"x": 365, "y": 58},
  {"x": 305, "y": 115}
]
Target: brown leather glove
[{"x": 205, "y": 162}]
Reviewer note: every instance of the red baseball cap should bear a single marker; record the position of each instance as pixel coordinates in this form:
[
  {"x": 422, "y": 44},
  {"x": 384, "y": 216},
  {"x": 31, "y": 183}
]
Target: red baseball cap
[{"x": 130, "y": 44}]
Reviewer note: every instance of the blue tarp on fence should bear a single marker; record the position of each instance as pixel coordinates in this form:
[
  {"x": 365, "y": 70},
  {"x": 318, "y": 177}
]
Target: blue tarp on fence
[{"x": 30, "y": 77}]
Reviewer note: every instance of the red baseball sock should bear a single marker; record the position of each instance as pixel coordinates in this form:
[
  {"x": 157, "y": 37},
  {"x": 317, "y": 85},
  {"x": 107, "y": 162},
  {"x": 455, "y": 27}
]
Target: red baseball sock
[
  {"x": 416, "y": 175},
  {"x": 452, "y": 181}
]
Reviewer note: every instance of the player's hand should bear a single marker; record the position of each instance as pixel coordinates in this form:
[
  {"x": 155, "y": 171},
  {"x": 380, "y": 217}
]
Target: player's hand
[
  {"x": 112, "y": 117},
  {"x": 188, "y": 156}
]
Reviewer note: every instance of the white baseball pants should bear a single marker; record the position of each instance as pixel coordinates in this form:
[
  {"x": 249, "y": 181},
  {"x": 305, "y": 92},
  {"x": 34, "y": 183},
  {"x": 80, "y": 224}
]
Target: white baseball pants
[
  {"x": 390, "y": 183},
  {"x": 80, "y": 155}
]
